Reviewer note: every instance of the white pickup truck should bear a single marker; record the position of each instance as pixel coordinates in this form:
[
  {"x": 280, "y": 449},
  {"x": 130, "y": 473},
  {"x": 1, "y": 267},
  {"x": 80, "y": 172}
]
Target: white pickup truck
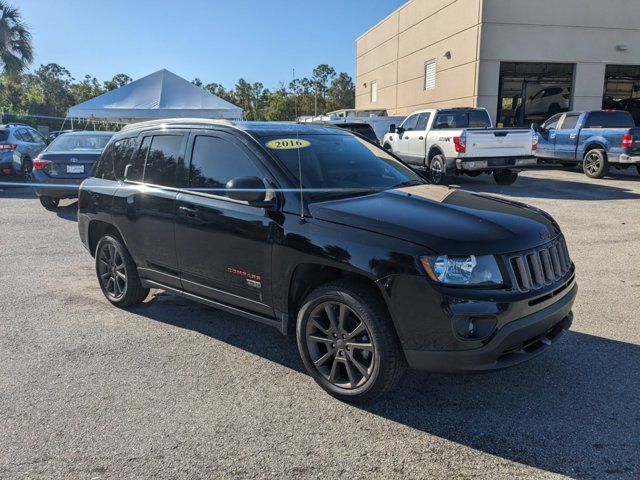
[{"x": 457, "y": 141}]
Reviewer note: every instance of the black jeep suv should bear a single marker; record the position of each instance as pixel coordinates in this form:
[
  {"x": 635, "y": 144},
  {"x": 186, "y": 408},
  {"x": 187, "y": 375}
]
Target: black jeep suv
[{"x": 317, "y": 231}]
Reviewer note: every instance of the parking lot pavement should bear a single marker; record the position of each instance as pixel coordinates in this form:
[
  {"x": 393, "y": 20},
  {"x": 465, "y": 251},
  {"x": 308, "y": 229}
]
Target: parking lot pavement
[{"x": 173, "y": 389}]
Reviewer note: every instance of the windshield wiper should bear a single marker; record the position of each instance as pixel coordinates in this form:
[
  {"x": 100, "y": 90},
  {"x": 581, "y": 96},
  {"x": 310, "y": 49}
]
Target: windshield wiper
[{"x": 344, "y": 193}]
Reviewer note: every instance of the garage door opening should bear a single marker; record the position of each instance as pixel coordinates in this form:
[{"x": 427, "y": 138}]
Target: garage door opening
[
  {"x": 622, "y": 89},
  {"x": 533, "y": 92}
]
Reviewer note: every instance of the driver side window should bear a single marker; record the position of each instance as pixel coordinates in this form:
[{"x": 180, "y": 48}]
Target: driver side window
[
  {"x": 410, "y": 122},
  {"x": 552, "y": 122}
]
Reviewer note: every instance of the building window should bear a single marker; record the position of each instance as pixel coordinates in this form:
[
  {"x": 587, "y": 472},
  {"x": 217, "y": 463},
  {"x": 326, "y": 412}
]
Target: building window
[
  {"x": 374, "y": 91},
  {"x": 430, "y": 74},
  {"x": 622, "y": 89},
  {"x": 533, "y": 92}
]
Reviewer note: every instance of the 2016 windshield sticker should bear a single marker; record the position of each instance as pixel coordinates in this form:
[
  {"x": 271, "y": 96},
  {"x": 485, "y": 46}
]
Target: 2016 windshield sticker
[{"x": 287, "y": 143}]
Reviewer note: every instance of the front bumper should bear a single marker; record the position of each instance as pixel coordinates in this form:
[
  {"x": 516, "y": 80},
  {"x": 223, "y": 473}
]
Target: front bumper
[
  {"x": 629, "y": 159},
  {"x": 480, "y": 164},
  {"x": 515, "y": 342}
]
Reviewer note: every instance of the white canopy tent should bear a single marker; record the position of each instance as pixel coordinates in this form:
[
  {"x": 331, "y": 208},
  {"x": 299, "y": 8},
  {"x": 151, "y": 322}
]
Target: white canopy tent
[{"x": 160, "y": 95}]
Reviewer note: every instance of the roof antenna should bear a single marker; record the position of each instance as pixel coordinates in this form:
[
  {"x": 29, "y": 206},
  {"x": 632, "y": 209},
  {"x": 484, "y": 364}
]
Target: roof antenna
[{"x": 295, "y": 110}]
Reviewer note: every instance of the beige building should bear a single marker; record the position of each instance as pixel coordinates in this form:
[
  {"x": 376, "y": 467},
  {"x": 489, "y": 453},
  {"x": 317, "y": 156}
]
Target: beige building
[{"x": 523, "y": 60}]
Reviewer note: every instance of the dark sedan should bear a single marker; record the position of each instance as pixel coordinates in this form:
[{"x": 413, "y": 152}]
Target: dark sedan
[{"x": 65, "y": 163}]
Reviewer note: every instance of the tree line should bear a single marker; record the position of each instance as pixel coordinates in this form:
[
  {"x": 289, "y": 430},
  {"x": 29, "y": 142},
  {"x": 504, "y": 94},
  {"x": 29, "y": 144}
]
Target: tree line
[
  {"x": 324, "y": 91},
  {"x": 51, "y": 90}
]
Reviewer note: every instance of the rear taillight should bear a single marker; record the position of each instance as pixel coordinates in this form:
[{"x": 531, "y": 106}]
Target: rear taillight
[
  {"x": 534, "y": 142},
  {"x": 39, "y": 163},
  {"x": 627, "y": 140},
  {"x": 8, "y": 147},
  {"x": 460, "y": 143}
]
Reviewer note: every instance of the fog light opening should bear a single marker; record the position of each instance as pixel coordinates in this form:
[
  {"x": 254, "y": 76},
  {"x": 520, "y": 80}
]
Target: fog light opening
[{"x": 474, "y": 327}]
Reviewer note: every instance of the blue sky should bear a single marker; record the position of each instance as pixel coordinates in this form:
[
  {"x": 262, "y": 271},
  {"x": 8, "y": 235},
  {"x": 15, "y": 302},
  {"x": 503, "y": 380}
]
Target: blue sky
[{"x": 215, "y": 40}]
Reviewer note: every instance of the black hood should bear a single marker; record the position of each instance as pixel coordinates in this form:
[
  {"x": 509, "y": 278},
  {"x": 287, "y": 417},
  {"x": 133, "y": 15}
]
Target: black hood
[{"x": 447, "y": 221}]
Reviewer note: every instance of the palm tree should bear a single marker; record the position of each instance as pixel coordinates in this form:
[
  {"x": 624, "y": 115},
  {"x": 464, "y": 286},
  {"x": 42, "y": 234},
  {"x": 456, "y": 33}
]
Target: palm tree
[{"x": 16, "y": 51}]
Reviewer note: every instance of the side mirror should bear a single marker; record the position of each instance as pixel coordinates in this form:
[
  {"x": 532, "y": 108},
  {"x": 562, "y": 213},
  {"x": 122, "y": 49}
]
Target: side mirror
[
  {"x": 400, "y": 131},
  {"x": 535, "y": 127},
  {"x": 392, "y": 128},
  {"x": 248, "y": 189}
]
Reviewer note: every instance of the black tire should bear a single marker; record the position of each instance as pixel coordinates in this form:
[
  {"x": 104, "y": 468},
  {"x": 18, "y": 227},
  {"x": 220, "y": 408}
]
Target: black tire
[
  {"x": 505, "y": 177},
  {"x": 595, "y": 163},
  {"x": 49, "y": 203},
  {"x": 349, "y": 371},
  {"x": 27, "y": 167},
  {"x": 638, "y": 169},
  {"x": 117, "y": 273},
  {"x": 553, "y": 109},
  {"x": 438, "y": 170}
]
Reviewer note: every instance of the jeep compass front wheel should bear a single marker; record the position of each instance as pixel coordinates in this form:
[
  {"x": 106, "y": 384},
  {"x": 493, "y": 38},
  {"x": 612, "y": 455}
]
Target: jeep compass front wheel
[
  {"x": 347, "y": 342},
  {"x": 117, "y": 273}
]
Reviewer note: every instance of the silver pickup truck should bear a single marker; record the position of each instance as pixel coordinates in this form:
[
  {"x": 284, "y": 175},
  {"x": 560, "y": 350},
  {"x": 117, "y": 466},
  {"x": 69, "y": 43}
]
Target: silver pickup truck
[{"x": 457, "y": 141}]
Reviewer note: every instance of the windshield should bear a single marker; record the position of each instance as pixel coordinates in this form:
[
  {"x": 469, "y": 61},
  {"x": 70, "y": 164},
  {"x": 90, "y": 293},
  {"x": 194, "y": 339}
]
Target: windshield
[
  {"x": 339, "y": 165},
  {"x": 69, "y": 142}
]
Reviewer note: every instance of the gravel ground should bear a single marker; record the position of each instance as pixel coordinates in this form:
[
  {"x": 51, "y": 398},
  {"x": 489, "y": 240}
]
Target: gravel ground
[{"x": 173, "y": 389}]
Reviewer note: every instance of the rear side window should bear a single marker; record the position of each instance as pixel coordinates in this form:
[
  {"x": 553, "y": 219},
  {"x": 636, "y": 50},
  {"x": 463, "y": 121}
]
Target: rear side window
[
  {"x": 162, "y": 160},
  {"x": 423, "y": 119},
  {"x": 4, "y": 135},
  {"x": 26, "y": 136},
  {"x": 616, "y": 119},
  {"x": 569, "y": 122},
  {"x": 215, "y": 161}
]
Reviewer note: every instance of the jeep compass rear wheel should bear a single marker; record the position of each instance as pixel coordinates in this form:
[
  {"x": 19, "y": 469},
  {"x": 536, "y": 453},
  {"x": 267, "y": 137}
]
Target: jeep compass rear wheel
[
  {"x": 347, "y": 342},
  {"x": 117, "y": 273}
]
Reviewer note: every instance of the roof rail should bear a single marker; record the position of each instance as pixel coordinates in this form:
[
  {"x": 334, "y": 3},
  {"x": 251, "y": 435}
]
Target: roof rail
[{"x": 160, "y": 121}]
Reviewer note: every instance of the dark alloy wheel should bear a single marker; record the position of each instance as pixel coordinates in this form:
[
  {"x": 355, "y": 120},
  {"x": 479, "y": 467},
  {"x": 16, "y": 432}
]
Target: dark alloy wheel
[
  {"x": 437, "y": 171},
  {"x": 49, "y": 203},
  {"x": 117, "y": 273},
  {"x": 27, "y": 167},
  {"x": 339, "y": 345},
  {"x": 595, "y": 164},
  {"x": 347, "y": 341}
]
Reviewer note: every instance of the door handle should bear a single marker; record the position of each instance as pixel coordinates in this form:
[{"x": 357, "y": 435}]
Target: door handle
[
  {"x": 572, "y": 136},
  {"x": 420, "y": 138},
  {"x": 189, "y": 211}
]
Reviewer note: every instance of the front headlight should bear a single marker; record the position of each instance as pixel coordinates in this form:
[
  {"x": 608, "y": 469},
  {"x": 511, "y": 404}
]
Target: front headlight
[{"x": 463, "y": 270}]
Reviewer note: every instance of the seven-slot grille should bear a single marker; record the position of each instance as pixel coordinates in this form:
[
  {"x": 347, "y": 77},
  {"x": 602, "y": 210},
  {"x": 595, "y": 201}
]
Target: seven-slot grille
[{"x": 539, "y": 267}]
